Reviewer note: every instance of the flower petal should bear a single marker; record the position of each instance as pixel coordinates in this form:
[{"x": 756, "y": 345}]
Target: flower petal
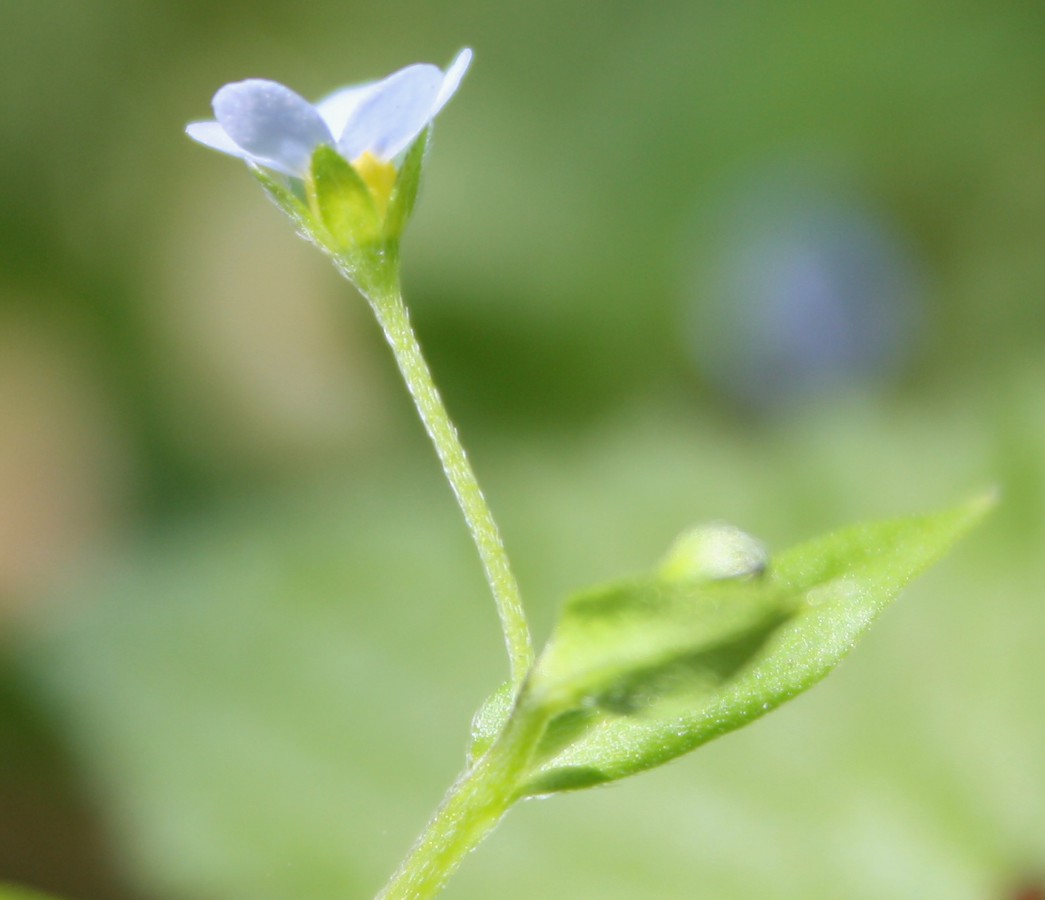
[
  {"x": 452, "y": 79},
  {"x": 212, "y": 135},
  {"x": 338, "y": 108},
  {"x": 272, "y": 123},
  {"x": 395, "y": 111}
]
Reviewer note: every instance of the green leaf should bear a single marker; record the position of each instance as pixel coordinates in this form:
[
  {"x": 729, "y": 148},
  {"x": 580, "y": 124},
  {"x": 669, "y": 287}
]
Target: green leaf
[
  {"x": 404, "y": 194},
  {"x": 615, "y": 646},
  {"x": 342, "y": 201},
  {"x": 631, "y": 683}
]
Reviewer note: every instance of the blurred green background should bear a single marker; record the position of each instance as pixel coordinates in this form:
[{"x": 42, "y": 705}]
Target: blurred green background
[{"x": 777, "y": 264}]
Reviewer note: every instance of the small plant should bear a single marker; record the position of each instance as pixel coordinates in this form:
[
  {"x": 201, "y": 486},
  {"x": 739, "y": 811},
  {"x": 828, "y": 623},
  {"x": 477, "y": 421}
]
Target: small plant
[{"x": 636, "y": 672}]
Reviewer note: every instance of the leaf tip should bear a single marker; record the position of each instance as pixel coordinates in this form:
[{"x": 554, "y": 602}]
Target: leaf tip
[{"x": 976, "y": 509}]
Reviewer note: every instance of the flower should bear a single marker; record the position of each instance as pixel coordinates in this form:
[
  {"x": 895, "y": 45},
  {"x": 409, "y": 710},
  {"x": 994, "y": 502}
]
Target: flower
[
  {"x": 345, "y": 170},
  {"x": 270, "y": 126}
]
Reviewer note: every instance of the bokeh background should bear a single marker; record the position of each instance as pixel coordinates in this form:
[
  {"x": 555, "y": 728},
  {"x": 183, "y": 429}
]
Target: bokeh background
[{"x": 776, "y": 264}]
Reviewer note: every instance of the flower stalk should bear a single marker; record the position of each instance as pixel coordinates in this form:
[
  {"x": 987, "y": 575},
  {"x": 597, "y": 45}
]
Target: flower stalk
[
  {"x": 471, "y": 809},
  {"x": 394, "y": 320},
  {"x": 346, "y": 171}
]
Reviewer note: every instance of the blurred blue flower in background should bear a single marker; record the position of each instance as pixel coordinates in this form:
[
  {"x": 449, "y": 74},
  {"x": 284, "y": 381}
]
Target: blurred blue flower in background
[{"x": 805, "y": 292}]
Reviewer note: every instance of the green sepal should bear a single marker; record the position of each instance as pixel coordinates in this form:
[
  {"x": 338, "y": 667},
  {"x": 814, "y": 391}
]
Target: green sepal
[
  {"x": 788, "y": 630},
  {"x": 286, "y": 199},
  {"x": 404, "y": 194},
  {"x": 342, "y": 202}
]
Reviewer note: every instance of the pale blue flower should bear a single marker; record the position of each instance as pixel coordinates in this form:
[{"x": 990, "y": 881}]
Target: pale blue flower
[{"x": 269, "y": 125}]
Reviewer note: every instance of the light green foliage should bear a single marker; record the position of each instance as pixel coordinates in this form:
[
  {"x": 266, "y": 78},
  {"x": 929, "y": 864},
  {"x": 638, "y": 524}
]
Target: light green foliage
[
  {"x": 274, "y": 701},
  {"x": 641, "y": 672},
  {"x": 637, "y": 673}
]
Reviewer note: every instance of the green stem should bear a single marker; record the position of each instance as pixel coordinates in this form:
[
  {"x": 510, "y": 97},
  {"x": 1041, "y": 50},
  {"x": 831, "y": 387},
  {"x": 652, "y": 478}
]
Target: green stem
[
  {"x": 395, "y": 322},
  {"x": 469, "y": 812}
]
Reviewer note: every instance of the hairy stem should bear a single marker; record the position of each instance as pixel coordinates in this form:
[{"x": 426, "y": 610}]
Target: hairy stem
[
  {"x": 395, "y": 322},
  {"x": 472, "y": 807}
]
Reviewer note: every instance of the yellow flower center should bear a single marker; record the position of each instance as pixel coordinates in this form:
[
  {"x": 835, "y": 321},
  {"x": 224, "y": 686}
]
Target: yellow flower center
[{"x": 379, "y": 176}]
